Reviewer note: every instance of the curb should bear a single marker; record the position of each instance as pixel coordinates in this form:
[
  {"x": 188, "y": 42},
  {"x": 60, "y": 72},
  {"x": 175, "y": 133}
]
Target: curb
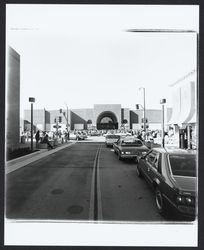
[{"x": 9, "y": 167}]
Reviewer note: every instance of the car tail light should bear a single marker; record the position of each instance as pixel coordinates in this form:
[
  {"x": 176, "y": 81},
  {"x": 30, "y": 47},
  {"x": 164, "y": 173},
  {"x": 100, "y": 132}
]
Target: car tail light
[{"x": 187, "y": 200}]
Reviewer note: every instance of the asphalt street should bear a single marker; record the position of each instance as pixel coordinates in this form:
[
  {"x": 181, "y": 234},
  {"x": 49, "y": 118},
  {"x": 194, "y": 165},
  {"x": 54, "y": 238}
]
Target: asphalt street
[{"x": 85, "y": 181}]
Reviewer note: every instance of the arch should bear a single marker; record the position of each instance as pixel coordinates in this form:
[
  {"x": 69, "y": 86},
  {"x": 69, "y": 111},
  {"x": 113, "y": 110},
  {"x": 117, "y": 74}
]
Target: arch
[{"x": 107, "y": 120}]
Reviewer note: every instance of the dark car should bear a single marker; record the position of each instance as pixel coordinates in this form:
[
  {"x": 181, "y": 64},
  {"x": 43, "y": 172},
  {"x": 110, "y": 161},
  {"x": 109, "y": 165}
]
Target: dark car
[
  {"x": 129, "y": 147},
  {"x": 172, "y": 174}
]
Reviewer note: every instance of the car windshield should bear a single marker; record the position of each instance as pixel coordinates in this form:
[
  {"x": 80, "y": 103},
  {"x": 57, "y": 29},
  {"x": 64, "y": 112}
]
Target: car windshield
[
  {"x": 131, "y": 142},
  {"x": 112, "y": 136},
  {"x": 183, "y": 165}
]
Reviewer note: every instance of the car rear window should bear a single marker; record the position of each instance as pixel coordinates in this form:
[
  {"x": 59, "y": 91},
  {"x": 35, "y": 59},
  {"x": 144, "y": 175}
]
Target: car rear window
[
  {"x": 112, "y": 136},
  {"x": 183, "y": 165},
  {"x": 132, "y": 142}
]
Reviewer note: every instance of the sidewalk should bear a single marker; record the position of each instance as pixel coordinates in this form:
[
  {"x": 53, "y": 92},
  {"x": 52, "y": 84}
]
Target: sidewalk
[{"x": 22, "y": 161}]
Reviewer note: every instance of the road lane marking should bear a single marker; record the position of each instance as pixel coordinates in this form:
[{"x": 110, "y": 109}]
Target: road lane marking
[
  {"x": 95, "y": 211},
  {"x": 100, "y": 217},
  {"x": 91, "y": 209}
]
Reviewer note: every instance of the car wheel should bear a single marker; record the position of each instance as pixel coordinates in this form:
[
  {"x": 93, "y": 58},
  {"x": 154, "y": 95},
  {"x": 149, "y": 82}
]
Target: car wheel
[
  {"x": 159, "y": 201},
  {"x": 139, "y": 173}
]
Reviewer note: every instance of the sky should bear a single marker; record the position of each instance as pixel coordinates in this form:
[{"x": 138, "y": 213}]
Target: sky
[{"x": 79, "y": 55}]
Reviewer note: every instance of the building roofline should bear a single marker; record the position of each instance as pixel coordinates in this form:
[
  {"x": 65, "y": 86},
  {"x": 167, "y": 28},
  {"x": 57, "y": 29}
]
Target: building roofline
[{"x": 183, "y": 78}]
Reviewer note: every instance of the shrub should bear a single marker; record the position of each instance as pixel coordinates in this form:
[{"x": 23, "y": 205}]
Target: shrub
[{"x": 12, "y": 154}]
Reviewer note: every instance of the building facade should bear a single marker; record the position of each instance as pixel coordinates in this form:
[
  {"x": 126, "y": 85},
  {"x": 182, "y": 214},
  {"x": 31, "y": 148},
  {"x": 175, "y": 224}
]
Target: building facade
[
  {"x": 13, "y": 99},
  {"x": 183, "y": 123},
  {"x": 101, "y": 117}
]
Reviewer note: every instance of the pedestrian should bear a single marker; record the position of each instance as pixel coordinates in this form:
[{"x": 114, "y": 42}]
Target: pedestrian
[
  {"x": 66, "y": 134},
  {"x": 140, "y": 137},
  {"x": 46, "y": 140},
  {"x": 26, "y": 133},
  {"x": 37, "y": 137}
]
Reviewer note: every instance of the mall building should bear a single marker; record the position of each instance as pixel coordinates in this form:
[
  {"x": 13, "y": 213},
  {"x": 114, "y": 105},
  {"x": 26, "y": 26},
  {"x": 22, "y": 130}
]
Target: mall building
[{"x": 101, "y": 117}]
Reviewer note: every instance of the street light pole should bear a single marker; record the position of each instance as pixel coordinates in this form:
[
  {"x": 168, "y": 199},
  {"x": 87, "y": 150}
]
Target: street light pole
[
  {"x": 163, "y": 101},
  {"x": 67, "y": 120},
  {"x": 31, "y": 100},
  {"x": 144, "y": 109}
]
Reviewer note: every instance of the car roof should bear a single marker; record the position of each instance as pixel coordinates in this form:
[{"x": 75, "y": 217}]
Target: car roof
[{"x": 174, "y": 151}]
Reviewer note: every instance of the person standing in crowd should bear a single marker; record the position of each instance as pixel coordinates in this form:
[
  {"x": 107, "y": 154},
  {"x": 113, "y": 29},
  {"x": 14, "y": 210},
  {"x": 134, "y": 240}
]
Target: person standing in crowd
[
  {"x": 46, "y": 140},
  {"x": 37, "y": 137},
  {"x": 26, "y": 133},
  {"x": 140, "y": 137}
]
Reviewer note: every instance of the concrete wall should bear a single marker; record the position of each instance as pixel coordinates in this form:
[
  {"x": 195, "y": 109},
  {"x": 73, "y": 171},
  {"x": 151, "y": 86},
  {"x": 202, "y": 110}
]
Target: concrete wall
[
  {"x": 38, "y": 119},
  {"x": 81, "y": 116},
  {"x": 13, "y": 99},
  {"x": 154, "y": 117},
  {"x": 126, "y": 115}
]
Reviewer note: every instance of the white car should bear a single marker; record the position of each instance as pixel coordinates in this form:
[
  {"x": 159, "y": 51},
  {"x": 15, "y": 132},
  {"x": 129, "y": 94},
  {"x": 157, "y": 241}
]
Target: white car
[
  {"x": 111, "y": 138},
  {"x": 77, "y": 136}
]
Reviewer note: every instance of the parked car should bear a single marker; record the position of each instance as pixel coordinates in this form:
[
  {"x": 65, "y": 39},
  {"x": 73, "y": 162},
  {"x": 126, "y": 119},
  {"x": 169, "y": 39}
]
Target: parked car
[
  {"x": 80, "y": 135},
  {"x": 77, "y": 136},
  {"x": 95, "y": 133},
  {"x": 129, "y": 147},
  {"x": 172, "y": 174},
  {"x": 84, "y": 134},
  {"x": 110, "y": 139}
]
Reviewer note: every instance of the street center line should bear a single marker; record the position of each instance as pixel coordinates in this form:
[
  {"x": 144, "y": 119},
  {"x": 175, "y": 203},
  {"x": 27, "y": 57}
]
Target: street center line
[
  {"x": 100, "y": 214},
  {"x": 92, "y": 195}
]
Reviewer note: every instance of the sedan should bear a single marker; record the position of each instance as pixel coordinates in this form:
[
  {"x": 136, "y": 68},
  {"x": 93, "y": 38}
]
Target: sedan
[
  {"x": 129, "y": 147},
  {"x": 110, "y": 139},
  {"x": 76, "y": 136},
  {"x": 172, "y": 174}
]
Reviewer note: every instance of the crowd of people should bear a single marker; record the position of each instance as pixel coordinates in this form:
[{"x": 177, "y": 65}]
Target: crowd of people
[
  {"x": 48, "y": 137},
  {"x": 45, "y": 137}
]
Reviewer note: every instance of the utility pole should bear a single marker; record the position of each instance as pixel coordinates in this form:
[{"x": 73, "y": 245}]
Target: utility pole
[
  {"x": 31, "y": 100},
  {"x": 144, "y": 110}
]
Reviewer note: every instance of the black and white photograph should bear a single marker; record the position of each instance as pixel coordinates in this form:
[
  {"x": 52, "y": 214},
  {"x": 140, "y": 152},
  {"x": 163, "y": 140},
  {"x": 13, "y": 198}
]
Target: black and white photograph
[{"x": 101, "y": 125}]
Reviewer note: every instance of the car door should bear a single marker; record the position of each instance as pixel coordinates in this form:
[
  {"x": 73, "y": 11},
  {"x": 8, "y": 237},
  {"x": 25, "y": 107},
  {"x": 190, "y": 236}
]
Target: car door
[
  {"x": 115, "y": 146},
  {"x": 148, "y": 165},
  {"x": 155, "y": 169}
]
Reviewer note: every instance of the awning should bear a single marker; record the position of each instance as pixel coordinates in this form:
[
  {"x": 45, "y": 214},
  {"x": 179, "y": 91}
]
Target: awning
[
  {"x": 184, "y": 106},
  {"x": 193, "y": 119},
  {"x": 176, "y": 107}
]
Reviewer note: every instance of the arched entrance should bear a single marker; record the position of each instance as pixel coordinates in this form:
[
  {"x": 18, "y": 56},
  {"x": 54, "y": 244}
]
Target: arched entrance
[{"x": 107, "y": 120}]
